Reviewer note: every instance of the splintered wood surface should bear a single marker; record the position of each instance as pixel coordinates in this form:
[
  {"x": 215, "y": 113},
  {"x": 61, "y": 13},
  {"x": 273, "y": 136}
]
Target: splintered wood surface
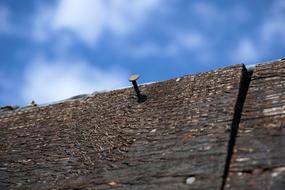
[
  {"x": 258, "y": 161},
  {"x": 176, "y": 139}
]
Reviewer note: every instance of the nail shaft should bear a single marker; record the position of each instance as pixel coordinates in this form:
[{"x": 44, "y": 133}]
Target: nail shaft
[
  {"x": 137, "y": 89},
  {"x": 141, "y": 97}
]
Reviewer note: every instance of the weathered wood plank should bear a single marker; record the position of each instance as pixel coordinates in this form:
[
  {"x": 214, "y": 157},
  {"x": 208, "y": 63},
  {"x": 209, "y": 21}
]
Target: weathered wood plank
[
  {"x": 110, "y": 141},
  {"x": 259, "y": 154}
]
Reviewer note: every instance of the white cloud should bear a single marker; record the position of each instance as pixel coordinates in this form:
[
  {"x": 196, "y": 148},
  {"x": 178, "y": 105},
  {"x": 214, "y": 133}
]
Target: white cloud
[
  {"x": 42, "y": 29},
  {"x": 246, "y": 51},
  {"x": 212, "y": 14},
  {"x": 272, "y": 30},
  {"x": 47, "y": 81},
  {"x": 178, "y": 43},
  {"x": 5, "y": 24},
  {"x": 146, "y": 49},
  {"x": 269, "y": 34},
  {"x": 90, "y": 19},
  {"x": 208, "y": 12},
  {"x": 152, "y": 49},
  {"x": 239, "y": 14},
  {"x": 7, "y": 88},
  {"x": 191, "y": 40}
]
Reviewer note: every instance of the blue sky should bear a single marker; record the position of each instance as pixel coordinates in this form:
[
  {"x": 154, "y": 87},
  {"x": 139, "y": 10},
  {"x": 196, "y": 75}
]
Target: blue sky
[{"x": 52, "y": 50}]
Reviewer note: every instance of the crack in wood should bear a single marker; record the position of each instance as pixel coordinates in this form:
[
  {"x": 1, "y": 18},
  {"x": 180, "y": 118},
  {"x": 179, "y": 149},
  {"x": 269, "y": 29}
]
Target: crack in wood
[{"x": 243, "y": 89}]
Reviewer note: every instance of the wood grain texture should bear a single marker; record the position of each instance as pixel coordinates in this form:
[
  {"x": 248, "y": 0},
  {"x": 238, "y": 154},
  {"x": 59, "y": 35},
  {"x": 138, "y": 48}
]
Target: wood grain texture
[
  {"x": 258, "y": 161},
  {"x": 176, "y": 139}
]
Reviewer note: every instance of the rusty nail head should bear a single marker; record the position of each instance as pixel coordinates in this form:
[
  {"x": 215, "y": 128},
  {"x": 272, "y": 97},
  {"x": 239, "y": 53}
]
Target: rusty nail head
[{"x": 134, "y": 78}]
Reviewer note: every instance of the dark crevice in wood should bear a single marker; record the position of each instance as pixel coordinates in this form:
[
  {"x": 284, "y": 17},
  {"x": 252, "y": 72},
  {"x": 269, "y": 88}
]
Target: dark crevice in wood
[{"x": 243, "y": 88}]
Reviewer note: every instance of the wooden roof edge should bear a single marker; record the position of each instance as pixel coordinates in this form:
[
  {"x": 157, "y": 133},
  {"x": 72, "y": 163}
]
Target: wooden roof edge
[{"x": 249, "y": 67}]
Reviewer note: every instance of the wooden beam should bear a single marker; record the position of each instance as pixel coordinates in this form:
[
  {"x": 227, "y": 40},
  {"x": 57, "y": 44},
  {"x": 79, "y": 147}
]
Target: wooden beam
[
  {"x": 176, "y": 139},
  {"x": 259, "y": 154}
]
